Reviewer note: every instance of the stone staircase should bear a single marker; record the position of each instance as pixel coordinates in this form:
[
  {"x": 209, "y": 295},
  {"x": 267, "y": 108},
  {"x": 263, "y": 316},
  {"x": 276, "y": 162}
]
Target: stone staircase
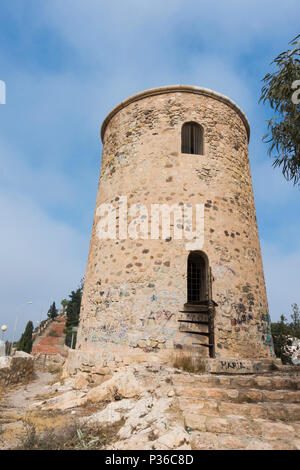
[
  {"x": 51, "y": 345},
  {"x": 240, "y": 412},
  {"x": 166, "y": 408}
]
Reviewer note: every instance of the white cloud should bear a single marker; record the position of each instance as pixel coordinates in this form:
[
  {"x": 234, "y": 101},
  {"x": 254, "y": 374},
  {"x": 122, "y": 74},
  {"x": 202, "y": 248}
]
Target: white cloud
[
  {"x": 96, "y": 27},
  {"x": 41, "y": 259}
]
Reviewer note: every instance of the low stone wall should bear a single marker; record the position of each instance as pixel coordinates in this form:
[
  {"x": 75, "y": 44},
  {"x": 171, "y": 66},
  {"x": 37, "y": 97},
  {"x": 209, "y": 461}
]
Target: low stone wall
[
  {"x": 116, "y": 359},
  {"x": 40, "y": 330},
  {"x": 15, "y": 369},
  {"x": 241, "y": 366}
]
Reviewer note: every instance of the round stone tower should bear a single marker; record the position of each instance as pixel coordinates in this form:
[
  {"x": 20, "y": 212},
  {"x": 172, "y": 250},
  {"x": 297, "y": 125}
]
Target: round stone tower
[{"x": 179, "y": 151}]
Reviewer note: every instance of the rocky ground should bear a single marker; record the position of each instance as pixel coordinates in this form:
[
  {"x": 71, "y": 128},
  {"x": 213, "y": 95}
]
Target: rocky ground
[{"x": 153, "y": 407}]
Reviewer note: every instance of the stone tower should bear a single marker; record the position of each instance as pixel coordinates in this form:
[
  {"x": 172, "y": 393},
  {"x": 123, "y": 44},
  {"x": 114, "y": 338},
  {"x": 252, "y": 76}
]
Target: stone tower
[{"x": 180, "y": 146}]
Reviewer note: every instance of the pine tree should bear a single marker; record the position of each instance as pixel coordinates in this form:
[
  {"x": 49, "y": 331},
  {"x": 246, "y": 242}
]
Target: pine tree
[
  {"x": 73, "y": 311},
  {"x": 52, "y": 312},
  {"x": 281, "y": 331},
  {"x": 295, "y": 324},
  {"x": 64, "y": 304},
  {"x": 25, "y": 343}
]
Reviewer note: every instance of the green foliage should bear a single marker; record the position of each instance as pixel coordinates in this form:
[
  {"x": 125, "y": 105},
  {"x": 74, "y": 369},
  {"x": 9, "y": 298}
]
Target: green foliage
[
  {"x": 284, "y": 128},
  {"x": 53, "y": 333},
  {"x": 295, "y": 324},
  {"x": 8, "y": 347},
  {"x": 52, "y": 312},
  {"x": 25, "y": 343},
  {"x": 73, "y": 312},
  {"x": 282, "y": 331},
  {"x": 69, "y": 333},
  {"x": 64, "y": 304}
]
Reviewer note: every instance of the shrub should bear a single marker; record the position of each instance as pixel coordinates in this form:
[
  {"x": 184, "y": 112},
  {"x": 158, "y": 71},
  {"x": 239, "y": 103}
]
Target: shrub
[
  {"x": 53, "y": 333},
  {"x": 188, "y": 363},
  {"x": 73, "y": 437}
]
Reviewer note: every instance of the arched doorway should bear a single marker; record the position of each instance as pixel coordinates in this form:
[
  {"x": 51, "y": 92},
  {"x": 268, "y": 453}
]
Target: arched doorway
[
  {"x": 197, "y": 278},
  {"x": 199, "y": 308}
]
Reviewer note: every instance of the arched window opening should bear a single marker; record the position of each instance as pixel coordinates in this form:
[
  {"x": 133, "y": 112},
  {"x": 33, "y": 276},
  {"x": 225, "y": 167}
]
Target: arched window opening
[
  {"x": 192, "y": 138},
  {"x": 197, "y": 285}
]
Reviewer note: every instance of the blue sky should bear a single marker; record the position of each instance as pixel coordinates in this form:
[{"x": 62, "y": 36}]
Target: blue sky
[{"x": 66, "y": 64}]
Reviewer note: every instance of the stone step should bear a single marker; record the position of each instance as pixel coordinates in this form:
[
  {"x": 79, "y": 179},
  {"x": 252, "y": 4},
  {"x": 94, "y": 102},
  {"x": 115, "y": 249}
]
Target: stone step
[
  {"x": 274, "y": 382},
  {"x": 223, "y": 441},
  {"x": 241, "y": 396},
  {"x": 45, "y": 349},
  {"x": 241, "y": 426},
  {"x": 6, "y": 420},
  {"x": 237, "y": 432},
  {"x": 265, "y": 410}
]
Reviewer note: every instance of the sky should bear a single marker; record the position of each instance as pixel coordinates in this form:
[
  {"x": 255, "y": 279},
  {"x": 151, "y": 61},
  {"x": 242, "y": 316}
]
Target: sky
[{"x": 66, "y": 64}]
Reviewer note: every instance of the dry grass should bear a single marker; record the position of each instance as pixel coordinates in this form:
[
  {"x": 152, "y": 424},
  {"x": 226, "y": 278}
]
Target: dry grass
[
  {"x": 188, "y": 363},
  {"x": 11, "y": 434},
  {"x": 44, "y": 420},
  {"x": 74, "y": 436}
]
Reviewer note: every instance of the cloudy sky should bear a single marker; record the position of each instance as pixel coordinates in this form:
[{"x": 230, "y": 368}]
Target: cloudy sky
[{"x": 65, "y": 65}]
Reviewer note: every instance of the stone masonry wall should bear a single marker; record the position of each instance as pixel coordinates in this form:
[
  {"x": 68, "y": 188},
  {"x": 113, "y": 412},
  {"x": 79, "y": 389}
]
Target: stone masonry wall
[
  {"x": 135, "y": 288},
  {"x": 15, "y": 369}
]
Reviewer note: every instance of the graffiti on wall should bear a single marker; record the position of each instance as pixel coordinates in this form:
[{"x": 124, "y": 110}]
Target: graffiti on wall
[
  {"x": 221, "y": 269},
  {"x": 268, "y": 336}
]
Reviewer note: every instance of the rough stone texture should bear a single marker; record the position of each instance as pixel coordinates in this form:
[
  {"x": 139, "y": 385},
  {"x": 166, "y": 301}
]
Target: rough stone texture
[
  {"x": 134, "y": 289},
  {"x": 70, "y": 399},
  {"x": 15, "y": 369},
  {"x": 159, "y": 407},
  {"x": 240, "y": 366},
  {"x": 121, "y": 385}
]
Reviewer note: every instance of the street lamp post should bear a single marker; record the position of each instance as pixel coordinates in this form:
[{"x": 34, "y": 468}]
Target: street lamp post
[
  {"x": 74, "y": 330},
  {"x": 3, "y": 329},
  {"x": 2, "y": 343},
  {"x": 15, "y": 327}
]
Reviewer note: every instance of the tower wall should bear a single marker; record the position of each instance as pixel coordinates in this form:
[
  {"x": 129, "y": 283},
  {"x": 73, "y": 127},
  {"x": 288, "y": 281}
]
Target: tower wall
[{"x": 135, "y": 290}]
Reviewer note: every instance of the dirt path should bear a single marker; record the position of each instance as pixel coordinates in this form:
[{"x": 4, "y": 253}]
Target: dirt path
[
  {"x": 20, "y": 398},
  {"x": 15, "y": 403}
]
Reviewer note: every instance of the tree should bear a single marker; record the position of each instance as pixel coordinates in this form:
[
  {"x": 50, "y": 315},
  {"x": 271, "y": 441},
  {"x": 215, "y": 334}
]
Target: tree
[
  {"x": 295, "y": 324},
  {"x": 52, "y": 312},
  {"x": 282, "y": 90},
  {"x": 64, "y": 304},
  {"x": 280, "y": 333},
  {"x": 25, "y": 343},
  {"x": 283, "y": 332},
  {"x": 73, "y": 311},
  {"x": 8, "y": 347}
]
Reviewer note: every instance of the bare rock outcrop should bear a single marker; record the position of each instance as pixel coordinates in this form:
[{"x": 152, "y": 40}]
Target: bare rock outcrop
[{"x": 158, "y": 407}]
